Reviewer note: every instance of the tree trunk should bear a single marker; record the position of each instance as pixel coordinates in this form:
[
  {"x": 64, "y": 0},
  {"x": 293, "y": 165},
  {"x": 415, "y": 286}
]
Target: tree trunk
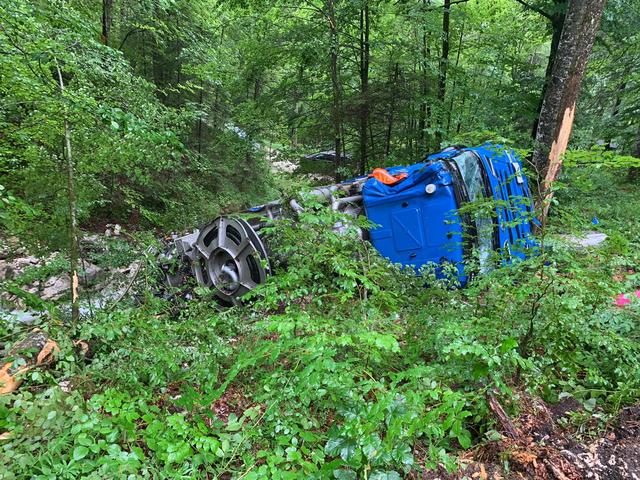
[
  {"x": 442, "y": 71},
  {"x": 200, "y": 114},
  {"x": 633, "y": 175},
  {"x": 557, "y": 22},
  {"x": 424, "y": 82},
  {"x": 107, "y": 7},
  {"x": 392, "y": 107},
  {"x": 73, "y": 223},
  {"x": 296, "y": 109},
  {"x": 614, "y": 114},
  {"x": 364, "y": 86},
  {"x": 453, "y": 87},
  {"x": 558, "y": 106},
  {"x": 335, "y": 82}
]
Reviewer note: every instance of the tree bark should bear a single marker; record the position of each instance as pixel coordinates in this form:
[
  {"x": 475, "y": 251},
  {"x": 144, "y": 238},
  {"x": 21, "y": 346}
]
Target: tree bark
[
  {"x": 633, "y": 174},
  {"x": 442, "y": 73},
  {"x": 336, "y": 88},
  {"x": 107, "y": 7},
  {"x": 558, "y": 106},
  {"x": 201, "y": 100},
  {"x": 296, "y": 109},
  {"x": 424, "y": 111},
  {"x": 453, "y": 87},
  {"x": 392, "y": 107},
  {"x": 364, "y": 85},
  {"x": 557, "y": 22},
  {"x": 73, "y": 222}
]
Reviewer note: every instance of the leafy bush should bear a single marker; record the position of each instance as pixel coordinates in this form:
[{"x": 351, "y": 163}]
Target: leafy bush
[{"x": 340, "y": 366}]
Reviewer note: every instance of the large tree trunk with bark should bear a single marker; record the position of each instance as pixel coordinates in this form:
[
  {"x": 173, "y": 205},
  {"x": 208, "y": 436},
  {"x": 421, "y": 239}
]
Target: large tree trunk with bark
[
  {"x": 558, "y": 106},
  {"x": 557, "y": 23}
]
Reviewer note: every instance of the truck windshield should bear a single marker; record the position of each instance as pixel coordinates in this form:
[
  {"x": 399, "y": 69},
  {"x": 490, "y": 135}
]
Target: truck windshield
[{"x": 470, "y": 168}]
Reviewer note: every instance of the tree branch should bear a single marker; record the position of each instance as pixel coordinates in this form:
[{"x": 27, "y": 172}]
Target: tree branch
[
  {"x": 536, "y": 9},
  {"x": 129, "y": 33}
]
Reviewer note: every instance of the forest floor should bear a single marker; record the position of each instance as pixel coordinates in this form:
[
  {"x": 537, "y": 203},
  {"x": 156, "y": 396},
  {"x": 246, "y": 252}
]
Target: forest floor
[{"x": 549, "y": 448}]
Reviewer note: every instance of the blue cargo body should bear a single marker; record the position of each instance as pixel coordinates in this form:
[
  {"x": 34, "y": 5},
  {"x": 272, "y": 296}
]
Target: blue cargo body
[{"x": 417, "y": 220}]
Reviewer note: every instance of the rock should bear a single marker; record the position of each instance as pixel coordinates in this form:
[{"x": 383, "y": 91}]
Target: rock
[
  {"x": 65, "y": 386},
  {"x": 9, "y": 269},
  {"x": 21, "y": 316},
  {"x": 56, "y": 287},
  {"x": 131, "y": 268},
  {"x": 589, "y": 239},
  {"x": 113, "y": 229},
  {"x": 32, "y": 288},
  {"x": 283, "y": 166},
  {"x": 90, "y": 274},
  {"x": 90, "y": 240}
]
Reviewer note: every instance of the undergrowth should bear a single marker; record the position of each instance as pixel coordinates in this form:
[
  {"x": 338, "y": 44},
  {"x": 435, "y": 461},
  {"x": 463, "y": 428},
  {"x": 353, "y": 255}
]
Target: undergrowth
[{"x": 341, "y": 366}]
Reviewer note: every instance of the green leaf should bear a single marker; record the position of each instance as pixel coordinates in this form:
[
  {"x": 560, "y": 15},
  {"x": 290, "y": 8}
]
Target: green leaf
[
  {"x": 382, "y": 475},
  {"x": 508, "y": 344},
  {"x": 341, "y": 474},
  {"x": 80, "y": 452}
]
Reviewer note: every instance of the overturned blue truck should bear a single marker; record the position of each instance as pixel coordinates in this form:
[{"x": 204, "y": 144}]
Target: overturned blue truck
[{"x": 421, "y": 214}]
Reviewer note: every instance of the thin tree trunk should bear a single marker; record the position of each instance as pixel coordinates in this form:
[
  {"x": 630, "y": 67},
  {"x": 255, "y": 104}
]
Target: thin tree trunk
[
  {"x": 107, "y": 8},
  {"x": 558, "y": 107},
  {"x": 633, "y": 174},
  {"x": 453, "y": 88},
  {"x": 392, "y": 107},
  {"x": 73, "y": 223},
  {"x": 373, "y": 145},
  {"x": 424, "y": 71},
  {"x": 200, "y": 117},
  {"x": 364, "y": 85},
  {"x": 335, "y": 82},
  {"x": 615, "y": 112},
  {"x": 442, "y": 74},
  {"x": 459, "y": 126},
  {"x": 296, "y": 108}
]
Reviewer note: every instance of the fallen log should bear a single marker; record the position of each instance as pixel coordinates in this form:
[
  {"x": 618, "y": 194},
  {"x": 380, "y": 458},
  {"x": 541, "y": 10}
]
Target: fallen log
[{"x": 507, "y": 425}]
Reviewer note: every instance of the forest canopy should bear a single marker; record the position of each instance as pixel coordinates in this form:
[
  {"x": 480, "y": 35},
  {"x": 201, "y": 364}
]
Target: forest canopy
[{"x": 206, "y": 92}]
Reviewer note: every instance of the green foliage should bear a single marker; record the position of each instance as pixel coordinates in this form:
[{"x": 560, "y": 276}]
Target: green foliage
[
  {"x": 54, "y": 266},
  {"x": 339, "y": 366},
  {"x": 599, "y": 157},
  {"x": 126, "y": 142}
]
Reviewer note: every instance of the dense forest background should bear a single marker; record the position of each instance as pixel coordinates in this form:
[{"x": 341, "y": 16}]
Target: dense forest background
[{"x": 207, "y": 93}]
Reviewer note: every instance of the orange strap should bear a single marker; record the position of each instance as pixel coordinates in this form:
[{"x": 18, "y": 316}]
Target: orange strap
[{"x": 385, "y": 177}]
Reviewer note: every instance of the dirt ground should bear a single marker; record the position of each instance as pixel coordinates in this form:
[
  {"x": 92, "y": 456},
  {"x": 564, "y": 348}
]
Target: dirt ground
[{"x": 546, "y": 447}]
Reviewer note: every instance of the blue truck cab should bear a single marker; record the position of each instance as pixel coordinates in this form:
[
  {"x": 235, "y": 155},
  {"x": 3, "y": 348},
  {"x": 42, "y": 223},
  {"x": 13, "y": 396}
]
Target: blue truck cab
[{"x": 420, "y": 219}]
